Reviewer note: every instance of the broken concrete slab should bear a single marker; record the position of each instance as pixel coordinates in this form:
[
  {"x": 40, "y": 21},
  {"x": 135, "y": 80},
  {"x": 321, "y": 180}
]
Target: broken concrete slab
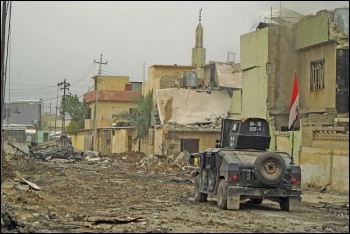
[{"x": 32, "y": 185}]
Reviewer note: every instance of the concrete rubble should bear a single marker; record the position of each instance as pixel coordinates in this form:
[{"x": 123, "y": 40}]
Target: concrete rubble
[{"x": 134, "y": 192}]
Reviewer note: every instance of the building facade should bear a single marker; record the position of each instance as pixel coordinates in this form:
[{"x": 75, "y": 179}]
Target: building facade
[
  {"x": 317, "y": 52},
  {"x": 111, "y": 95}
]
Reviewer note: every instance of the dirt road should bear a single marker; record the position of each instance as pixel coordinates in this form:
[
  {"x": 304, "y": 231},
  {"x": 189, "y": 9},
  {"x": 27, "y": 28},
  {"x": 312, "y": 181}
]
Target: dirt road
[{"x": 133, "y": 193}]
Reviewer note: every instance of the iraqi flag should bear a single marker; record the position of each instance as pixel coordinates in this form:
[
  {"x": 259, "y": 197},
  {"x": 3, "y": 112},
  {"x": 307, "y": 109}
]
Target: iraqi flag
[{"x": 294, "y": 103}]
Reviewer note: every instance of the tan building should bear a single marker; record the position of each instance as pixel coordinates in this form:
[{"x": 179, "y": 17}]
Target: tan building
[
  {"x": 318, "y": 52},
  {"x": 164, "y": 76},
  {"x": 189, "y": 107}
]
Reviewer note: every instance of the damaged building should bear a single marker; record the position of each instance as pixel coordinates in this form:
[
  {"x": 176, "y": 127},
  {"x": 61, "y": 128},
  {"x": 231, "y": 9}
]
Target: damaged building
[{"x": 314, "y": 48}]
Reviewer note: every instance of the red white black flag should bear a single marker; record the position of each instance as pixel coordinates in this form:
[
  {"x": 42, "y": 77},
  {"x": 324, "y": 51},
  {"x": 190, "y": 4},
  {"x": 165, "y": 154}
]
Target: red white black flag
[{"x": 294, "y": 104}]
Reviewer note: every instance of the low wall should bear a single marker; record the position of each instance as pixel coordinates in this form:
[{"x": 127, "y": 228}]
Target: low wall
[{"x": 322, "y": 166}]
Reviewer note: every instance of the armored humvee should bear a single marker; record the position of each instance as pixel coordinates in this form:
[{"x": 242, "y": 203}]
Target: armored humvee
[{"x": 243, "y": 168}]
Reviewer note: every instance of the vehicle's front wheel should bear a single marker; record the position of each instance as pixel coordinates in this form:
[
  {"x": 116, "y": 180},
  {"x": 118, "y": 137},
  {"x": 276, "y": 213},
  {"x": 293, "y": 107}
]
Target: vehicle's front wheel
[
  {"x": 38, "y": 155},
  {"x": 199, "y": 196},
  {"x": 222, "y": 195}
]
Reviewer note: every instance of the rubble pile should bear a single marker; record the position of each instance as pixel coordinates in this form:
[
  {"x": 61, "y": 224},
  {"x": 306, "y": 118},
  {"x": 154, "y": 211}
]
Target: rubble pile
[
  {"x": 336, "y": 34},
  {"x": 133, "y": 193},
  {"x": 29, "y": 185},
  {"x": 212, "y": 122}
]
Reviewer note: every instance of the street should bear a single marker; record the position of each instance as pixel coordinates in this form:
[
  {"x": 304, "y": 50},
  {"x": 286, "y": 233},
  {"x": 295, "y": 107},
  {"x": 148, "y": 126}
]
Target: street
[{"x": 131, "y": 192}]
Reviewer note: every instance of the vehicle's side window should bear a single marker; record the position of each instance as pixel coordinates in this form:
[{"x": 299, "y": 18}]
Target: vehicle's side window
[
  {"x": 210, "y": 161},
  {"x": 207, "y": 161}
]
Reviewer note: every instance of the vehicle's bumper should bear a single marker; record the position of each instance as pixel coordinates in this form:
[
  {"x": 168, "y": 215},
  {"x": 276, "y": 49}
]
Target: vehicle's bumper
[{"x": 262, "y": 192}]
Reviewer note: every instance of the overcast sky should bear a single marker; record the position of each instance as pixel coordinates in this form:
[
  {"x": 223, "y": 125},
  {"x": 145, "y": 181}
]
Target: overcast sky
[{"x": 53, "y": 41}]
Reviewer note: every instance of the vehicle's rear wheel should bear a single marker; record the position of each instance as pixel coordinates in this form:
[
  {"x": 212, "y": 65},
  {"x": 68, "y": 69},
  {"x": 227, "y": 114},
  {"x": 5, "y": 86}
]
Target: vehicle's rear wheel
[
  {"x": 198, "y": 196},
  {"x": 270, "y": 168},
  {"x": 256, "y": 201},
  {"x": 290, "y": 203},
  {"x": 222, "y": 195}
]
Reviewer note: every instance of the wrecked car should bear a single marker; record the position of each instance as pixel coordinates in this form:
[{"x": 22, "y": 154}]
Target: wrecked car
[{"x": 61, "y": 148}]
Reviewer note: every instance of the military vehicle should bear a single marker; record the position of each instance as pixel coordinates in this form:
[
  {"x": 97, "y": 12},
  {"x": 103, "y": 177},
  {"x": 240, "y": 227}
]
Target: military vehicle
[{"x": 243, "y": 168}]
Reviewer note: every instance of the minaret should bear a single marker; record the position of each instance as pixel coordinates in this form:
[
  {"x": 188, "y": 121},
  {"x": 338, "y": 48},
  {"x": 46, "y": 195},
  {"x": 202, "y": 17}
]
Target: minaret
[{"x": 198, "y": 52}]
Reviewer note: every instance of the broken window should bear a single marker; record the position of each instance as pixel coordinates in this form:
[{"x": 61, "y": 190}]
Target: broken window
[
  {"x": 191, "y": 145},
  {"x": 317, "y": 70}
]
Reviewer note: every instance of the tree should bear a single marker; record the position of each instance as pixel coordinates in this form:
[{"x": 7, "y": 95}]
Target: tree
[
  {"x": 140, "y": 116},
  {"x": 76, "y": 110}
]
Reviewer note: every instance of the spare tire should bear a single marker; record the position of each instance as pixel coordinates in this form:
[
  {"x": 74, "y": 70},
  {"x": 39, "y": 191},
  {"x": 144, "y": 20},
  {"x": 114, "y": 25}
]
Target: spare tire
[{"x": 270, "y": 168}]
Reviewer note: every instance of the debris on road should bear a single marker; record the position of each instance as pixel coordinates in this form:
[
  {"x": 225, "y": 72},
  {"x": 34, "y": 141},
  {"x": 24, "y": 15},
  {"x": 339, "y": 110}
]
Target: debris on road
[{"x": 32, "y": 185}]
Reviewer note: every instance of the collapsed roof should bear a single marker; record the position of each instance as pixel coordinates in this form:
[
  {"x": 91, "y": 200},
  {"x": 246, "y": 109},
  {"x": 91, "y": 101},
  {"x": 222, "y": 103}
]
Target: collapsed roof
[{"x": 188, "y": 106}]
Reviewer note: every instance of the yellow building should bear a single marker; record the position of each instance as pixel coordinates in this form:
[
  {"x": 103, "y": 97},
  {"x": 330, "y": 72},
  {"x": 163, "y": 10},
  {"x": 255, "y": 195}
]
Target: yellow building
[
  {"x": 111, "y": 95},
  {"x": 164, "y": 76},
  {"x": 313, "y": 48}
]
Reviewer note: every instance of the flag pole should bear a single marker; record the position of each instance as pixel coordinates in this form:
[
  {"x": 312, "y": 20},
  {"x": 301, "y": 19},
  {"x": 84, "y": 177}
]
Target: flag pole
[
  {"x": 293, "y": 114},
  {"x": 292, "y": 158}
]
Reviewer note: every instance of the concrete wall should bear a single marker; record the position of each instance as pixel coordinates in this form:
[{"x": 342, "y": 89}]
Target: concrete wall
[
  {"x": 158, "y": 140},
  {"x": 156, "y": 72},
  {"x": 171, "y": 139},
  {"x": 23, "y": 112},
  {"x": 51, "y": 124},
  {"x": 268, "y": 75},
  {"x": 283, "y": 62},
  {"x": 316, "y": 28},
  {"x": 321, "y": 166},
  {"x": 236, "y": 104},
  {"x": 115, "y": 83},
  {"x": 117, "y": 141},
  {"x": 322, "y": 163},
  {"x": 104, "y": 113},
  {"x": 122, "y": 140},
  {"x": 325, "y": 137},
  {"x": 254, "y": 79},
  {"x": 318, "y": 100},
  {"x": 78, "y": 141},
  {"x": 283, "y": 141},
  {"x": 147, "y": 147}
]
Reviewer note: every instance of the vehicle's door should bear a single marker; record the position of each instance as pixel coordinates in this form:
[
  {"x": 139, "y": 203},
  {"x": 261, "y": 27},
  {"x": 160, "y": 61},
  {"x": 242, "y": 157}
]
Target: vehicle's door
[{"x": 209, "y": 171}]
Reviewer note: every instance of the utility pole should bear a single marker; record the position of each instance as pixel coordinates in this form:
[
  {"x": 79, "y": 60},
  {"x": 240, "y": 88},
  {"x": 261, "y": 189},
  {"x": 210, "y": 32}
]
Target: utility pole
[
  {"x": 58, "y": 84},
  {"x": 65, "y": 86},
  {"x": 96, "y": 100},
  {"x": 3, "y": 75}
]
